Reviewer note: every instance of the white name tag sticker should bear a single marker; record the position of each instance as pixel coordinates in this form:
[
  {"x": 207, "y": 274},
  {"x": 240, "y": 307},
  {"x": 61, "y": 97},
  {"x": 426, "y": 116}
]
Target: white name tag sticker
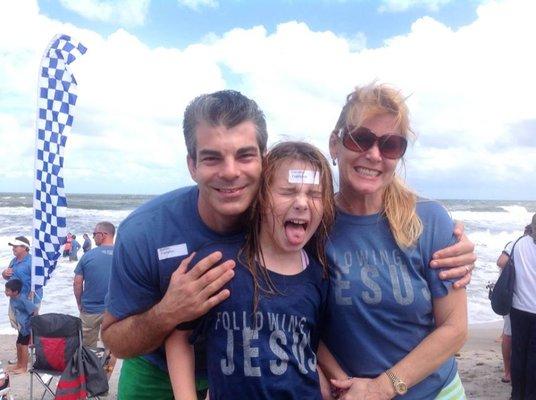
[
  {"x": 177, "y": 250},
  {"x": 303, "y": 176}
]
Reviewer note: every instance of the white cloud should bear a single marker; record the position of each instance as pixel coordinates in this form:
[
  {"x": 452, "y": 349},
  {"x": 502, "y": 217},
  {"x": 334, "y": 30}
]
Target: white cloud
[
  {"x": 403, "y": 5},
  {"x": 198, "y": 4},
  {"x": 125, "y": 12},
  {"x": 471, "y": 93}
]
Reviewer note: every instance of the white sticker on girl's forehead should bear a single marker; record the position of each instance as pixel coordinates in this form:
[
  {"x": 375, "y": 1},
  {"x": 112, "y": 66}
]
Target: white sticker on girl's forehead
[{"x": 303, "y": 176}]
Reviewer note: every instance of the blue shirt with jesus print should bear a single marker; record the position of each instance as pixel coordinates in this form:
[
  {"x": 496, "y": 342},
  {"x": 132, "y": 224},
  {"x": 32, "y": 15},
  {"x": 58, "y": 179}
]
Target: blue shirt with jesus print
[
  {"x": 269, "y": 354},
  {"x": 380, "y": 303}
]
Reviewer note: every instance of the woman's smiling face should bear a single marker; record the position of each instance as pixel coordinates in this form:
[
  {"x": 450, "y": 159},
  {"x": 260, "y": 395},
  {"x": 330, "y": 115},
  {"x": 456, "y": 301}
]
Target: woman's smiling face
[{"x": 363, "y": 176}]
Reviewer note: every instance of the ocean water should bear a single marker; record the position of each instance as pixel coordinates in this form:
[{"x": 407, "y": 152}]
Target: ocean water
[{"x": 489, "y": 224}]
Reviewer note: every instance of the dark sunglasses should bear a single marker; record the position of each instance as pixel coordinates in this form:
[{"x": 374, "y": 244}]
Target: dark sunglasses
[
  {"x": 362, "y": 139},
  {"x": 99, "y": 233}
]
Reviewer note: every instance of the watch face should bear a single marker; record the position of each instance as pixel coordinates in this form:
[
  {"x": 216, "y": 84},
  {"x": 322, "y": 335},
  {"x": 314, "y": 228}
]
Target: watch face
[{"x": 401, "y": 388}]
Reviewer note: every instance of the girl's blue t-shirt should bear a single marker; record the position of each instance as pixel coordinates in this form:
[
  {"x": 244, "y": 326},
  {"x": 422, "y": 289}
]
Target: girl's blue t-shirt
[
  {"x": 269, "y": 353},
  {"x": 380, "y": 302}
]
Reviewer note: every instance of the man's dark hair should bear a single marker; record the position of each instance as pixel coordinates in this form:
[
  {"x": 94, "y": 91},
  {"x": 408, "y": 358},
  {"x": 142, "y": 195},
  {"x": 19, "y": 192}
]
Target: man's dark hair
[
  {"x": 15, "y": 285},
  {"x": 226, "y": 107}
]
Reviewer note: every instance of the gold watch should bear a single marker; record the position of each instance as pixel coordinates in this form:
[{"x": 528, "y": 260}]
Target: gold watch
[{"x": 398, "y": 384}]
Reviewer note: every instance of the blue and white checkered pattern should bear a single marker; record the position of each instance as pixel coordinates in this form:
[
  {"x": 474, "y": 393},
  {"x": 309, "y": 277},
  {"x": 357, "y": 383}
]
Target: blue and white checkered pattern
[{"x": 56, "y": 101}]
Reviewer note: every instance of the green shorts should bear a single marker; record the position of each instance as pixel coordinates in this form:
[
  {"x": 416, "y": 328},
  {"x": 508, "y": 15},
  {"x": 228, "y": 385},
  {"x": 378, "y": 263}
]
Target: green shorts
[
  {"x": 140, "y": 380},
  {"x": 453, "y": 391}
]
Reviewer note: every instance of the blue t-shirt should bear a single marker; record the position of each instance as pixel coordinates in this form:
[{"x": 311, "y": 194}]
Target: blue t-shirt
[
  {"x": 75, "y": 246},
  {"x": 270, "y": 354},
  {"x": 23, "y": 310},
  {"x": 151, "y": 243},
  {"x": 22, "y": 270},
  {"x": 95, "y": 266},
  {"x": 380, "y": 303}
]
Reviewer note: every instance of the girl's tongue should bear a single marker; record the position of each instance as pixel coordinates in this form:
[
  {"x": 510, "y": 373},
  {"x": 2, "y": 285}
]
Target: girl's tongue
[{"x": 295, "y": 233}]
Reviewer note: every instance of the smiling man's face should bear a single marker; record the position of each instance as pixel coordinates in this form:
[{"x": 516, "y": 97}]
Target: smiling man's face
[{"x": 227, "y": 171}]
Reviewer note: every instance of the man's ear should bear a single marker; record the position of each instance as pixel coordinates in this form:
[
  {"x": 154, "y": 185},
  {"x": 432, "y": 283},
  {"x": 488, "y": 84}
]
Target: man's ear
[
  {"x": 333, "y": 148},
  {"x": 192, "y": 167}
]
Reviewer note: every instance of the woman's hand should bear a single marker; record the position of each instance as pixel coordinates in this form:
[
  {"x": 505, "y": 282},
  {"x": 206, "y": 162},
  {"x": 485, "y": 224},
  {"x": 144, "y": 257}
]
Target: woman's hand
[{"x": 364, "y": 388}]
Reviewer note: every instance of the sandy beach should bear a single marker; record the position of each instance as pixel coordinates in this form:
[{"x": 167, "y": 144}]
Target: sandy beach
[
  {"x": 20, "y": 384},
  {"x": 479, "y": 363}
]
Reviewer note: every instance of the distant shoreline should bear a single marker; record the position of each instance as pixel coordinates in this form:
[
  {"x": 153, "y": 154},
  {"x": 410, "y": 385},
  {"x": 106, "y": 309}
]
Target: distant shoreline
[{"x": 150, "y": 195}]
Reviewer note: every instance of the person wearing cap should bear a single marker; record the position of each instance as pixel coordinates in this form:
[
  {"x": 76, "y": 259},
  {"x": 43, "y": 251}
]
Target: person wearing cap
[
  {"x": 20, "y": 267},
  {"x": 523, "y": 317}
]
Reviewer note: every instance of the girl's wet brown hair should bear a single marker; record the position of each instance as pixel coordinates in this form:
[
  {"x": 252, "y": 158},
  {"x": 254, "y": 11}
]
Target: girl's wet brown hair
[{"x": 251, "y": 253}]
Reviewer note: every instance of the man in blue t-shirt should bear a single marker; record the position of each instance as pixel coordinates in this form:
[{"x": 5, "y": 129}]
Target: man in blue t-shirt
[
  {"x": 225, "y": 135},
  {"x": 91, "y": 280},
  {"x": 150, "y": 291}
]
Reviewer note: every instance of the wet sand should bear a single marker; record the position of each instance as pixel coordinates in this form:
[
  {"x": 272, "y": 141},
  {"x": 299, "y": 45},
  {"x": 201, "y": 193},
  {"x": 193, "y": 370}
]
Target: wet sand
[{"x": 479, "y": 363}]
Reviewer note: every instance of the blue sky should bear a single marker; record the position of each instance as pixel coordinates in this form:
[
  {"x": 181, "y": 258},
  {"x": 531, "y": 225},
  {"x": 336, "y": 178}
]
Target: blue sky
[{"x": 465, "y": 66}]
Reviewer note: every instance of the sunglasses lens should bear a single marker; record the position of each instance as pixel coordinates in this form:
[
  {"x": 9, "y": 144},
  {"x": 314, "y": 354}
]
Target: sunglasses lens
[
  {"x": 360, "y": 139},
  {"x": 364, "y": 138},
  {"x": 393, "y": 146}
]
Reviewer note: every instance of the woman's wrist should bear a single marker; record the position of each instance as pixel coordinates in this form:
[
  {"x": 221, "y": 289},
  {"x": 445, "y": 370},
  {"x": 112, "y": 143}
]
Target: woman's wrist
[{"x": 384, "y": 386}]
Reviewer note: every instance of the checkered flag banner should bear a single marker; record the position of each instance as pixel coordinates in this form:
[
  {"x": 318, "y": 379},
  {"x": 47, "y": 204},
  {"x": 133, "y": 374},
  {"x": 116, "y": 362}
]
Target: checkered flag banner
[{"x": 55, "y": 106}]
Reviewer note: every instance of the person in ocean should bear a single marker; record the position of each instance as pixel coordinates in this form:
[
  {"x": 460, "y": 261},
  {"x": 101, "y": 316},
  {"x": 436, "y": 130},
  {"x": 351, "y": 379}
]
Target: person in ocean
[
  {"x": 67, "y": 245},
  {"x": 86, "y": 246},
  {"x": 261, "y": 342},
  {"x": 75, "y": 246}
]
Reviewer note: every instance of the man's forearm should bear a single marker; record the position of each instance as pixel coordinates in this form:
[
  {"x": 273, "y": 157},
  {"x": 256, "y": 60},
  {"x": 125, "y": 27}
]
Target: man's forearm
[
  {"x": 77, "y": 290},
  {"x": 137, "y": 334}
]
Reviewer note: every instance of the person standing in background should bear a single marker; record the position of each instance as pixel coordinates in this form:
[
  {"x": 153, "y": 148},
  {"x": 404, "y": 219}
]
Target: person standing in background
[
  {"x": 23, "y": 309},
  {"x": 506, "y": 342},
  {"x": 86, "y": 246},
  {"x": 91, "y": 279},
  {"x": 523, "y": 318},
  {"x": 75, "y": 246},
  {"x": 20, "y": 267}
]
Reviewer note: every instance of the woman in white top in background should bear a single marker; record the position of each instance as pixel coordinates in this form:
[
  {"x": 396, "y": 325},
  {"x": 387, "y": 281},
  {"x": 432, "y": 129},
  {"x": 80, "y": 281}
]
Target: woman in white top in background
[{"x": 523, "y": 318}]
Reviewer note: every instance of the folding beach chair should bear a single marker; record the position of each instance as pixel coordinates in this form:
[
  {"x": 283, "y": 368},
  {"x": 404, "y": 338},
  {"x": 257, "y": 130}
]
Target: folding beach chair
[{"x": 57, "y": 357}]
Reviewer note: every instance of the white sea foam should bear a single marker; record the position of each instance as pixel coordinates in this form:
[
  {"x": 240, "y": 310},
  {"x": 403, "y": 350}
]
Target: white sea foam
[{"x": 490, "y": 225}]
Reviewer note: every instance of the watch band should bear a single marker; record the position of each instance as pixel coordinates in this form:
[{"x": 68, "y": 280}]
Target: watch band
[{"x": 399, "y": 385}]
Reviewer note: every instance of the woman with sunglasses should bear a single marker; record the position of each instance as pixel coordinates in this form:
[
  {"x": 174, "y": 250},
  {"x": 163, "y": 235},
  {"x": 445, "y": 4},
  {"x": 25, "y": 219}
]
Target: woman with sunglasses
[{"x": 392, "y": 324}]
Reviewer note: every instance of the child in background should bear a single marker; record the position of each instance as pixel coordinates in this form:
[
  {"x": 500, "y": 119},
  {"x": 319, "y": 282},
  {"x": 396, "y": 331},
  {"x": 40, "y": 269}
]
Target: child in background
[
  {"x": 261, "y": 342},
  {"x": 23, "y": 310},
  {"x": 67, "y": 246}
]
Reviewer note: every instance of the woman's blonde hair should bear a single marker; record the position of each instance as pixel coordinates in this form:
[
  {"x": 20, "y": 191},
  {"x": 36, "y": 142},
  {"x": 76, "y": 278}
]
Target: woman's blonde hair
[
  {"x": 399, "y": 201},
  {"x": 251, "y": 253}
]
